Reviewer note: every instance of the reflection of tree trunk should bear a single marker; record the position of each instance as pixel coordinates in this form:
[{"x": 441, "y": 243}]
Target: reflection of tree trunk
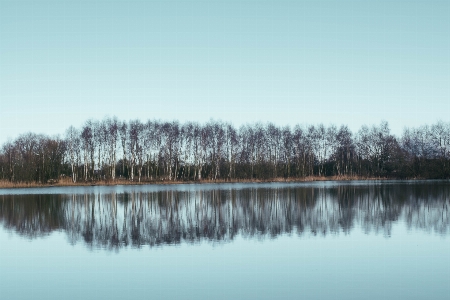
[
  {"x": 176, "y": 170},
  {"x": 139, "y": 173},
  {"x": 132, "y": 169},
  {"x": 168, "y": 217},
  {"x": 113, "y": 166},
  {"x": 74, "y": 175}
]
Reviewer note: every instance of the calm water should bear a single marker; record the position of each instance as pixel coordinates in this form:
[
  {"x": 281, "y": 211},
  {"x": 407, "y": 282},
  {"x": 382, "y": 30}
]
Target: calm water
[{"x": 325, "y": 240}]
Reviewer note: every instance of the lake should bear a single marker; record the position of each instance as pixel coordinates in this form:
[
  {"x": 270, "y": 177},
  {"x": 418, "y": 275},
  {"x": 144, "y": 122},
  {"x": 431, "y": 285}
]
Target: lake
[{"x": 318, "y": 240}]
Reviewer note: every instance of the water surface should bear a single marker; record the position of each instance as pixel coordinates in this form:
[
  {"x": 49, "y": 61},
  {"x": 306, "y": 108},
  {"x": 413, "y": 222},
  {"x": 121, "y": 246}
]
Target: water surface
[{"x": 340, "y": 240}]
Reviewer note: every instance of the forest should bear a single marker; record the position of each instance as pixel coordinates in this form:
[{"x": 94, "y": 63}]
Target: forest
[{"x": 112, "y": 150}]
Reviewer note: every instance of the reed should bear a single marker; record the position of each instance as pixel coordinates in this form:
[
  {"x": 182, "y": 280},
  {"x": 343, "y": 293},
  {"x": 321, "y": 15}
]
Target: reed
[{"x": 5, "y": 184}]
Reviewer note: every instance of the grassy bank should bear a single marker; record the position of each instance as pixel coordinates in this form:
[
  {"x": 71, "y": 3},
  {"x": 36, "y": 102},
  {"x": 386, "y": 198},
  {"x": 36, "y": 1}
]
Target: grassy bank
[{"x": 4, "y": 184}]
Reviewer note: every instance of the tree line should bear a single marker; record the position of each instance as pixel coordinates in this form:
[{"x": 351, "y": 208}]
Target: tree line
[{"x": 155, "y": 150}]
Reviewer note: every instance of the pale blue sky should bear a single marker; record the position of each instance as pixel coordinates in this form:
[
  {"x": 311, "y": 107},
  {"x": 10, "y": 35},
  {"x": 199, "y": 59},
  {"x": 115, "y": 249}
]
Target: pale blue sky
[{"x": 288, "y": 62}]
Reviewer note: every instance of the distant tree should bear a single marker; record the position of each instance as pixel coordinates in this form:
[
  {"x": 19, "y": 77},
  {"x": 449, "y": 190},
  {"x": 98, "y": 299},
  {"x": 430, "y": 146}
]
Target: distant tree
[
  {"x": 158, "y": 150},
  {"x": 231, "y": 140},
  {"x": 88, "y": 142},
  {"x": 344, "y": 154},
  {"x": 135, "y": 148},
  {"x": 273, "y": 144},
  {"x": 10, "y": 158},
  {"x": 123, "y": 134},
  {"x": 197, "y": 150},
  {"x": 28, "y": 159},
  {"x": 440, "y": 139},
  {"x": 112, "y": 127},
  {"x": 187, "y": 136},
  {"x": 287, "y": 149},
  {"x": 73, "y": 149}
]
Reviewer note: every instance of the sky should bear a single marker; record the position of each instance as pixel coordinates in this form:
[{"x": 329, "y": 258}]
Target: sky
[{"x": 287, "y": 62}]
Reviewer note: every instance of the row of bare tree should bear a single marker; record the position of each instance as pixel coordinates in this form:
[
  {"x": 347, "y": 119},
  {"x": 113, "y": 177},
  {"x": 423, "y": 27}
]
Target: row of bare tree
[{"x": 169, "y": 151}]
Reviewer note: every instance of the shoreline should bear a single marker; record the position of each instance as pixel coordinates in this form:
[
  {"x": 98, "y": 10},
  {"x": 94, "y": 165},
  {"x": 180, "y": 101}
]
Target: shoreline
[{"x": 68, "y": 183}]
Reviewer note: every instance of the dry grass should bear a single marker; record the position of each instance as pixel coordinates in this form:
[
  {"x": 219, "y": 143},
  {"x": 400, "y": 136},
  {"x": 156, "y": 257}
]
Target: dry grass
[
  {"x": 4, "y": 184},
  {"x": 68, "y": 182}
]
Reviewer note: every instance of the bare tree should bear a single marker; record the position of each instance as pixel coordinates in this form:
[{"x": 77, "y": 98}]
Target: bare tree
[
  {"x": 134, "y": 146},
  {"x": 87, "y": 138},
  {"x": 124, "y": 135},
  {"x": 187, "y": 135},
  {"x": 274, "y": 143},
  {"x": 10, "y": 153},
  {"x": 216, "y": 150},
  {"x": 112, "y": 126},
  {"x": 345, "y": 151},
  {"x": 231, "y": 140},
  {"x": 287, "y": 149}
]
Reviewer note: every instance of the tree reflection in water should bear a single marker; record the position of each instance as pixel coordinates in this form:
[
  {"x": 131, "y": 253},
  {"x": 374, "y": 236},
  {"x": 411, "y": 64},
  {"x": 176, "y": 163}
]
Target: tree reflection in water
[{"x": 171, "y": 217}]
